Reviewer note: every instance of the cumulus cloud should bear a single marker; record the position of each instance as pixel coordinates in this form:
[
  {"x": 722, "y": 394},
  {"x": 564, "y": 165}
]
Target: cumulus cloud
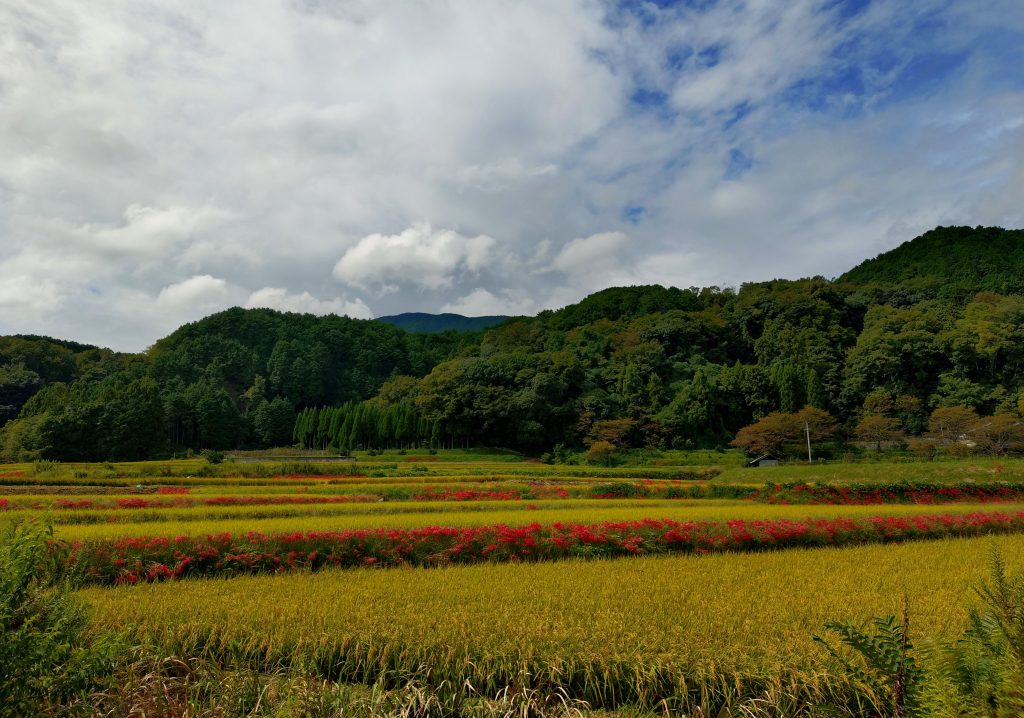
[
  {"x": 150, "y": 230},
  {"x": 480, "y": 155},
  {"x": 419, "y": 256},
  {"x": 589, "y": 253},
  {"x": 481, "y": 302},
  {"x": 22, "y": 293},
  {"x": 200, "y": 292},
  {"x": 305, "y": 303}
]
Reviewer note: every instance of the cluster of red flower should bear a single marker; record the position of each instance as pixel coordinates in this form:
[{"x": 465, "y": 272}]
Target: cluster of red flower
[{"x": 130, "y": 560}]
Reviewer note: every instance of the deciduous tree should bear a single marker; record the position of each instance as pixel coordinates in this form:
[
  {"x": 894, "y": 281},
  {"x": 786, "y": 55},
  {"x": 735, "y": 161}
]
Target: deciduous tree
[
  {"x": 877, "y": 429},
  {"x": 949, "y": 424}
]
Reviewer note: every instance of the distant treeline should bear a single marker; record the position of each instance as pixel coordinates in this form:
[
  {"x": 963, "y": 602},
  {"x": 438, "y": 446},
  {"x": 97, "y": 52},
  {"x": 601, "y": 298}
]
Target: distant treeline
[
  {"x": 938, "y": 322},
  {"x": 365, "y": 425}
]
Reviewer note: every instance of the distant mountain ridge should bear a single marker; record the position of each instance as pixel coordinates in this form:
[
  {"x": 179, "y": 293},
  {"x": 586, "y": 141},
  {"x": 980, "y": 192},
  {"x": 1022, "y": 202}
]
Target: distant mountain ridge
[{"x": 424, "y": 323}]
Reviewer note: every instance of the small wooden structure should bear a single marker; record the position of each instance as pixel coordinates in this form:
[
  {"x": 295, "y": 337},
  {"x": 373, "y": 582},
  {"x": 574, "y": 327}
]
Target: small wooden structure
[{"x": 764, "y": 460}]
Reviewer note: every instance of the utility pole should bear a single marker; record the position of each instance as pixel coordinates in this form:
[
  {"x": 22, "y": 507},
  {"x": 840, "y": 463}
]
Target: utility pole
[{"x": 807, "y": 431}]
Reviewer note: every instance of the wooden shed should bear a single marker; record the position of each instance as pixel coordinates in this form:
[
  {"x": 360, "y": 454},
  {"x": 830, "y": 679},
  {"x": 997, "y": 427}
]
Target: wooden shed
[{"x": 764, "y": 460}]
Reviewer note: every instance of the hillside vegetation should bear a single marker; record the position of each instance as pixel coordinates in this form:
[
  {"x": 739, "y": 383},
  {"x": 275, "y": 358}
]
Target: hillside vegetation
[
  {"x": 952, "y": 263},
  {"x": 937, "y": 322}
]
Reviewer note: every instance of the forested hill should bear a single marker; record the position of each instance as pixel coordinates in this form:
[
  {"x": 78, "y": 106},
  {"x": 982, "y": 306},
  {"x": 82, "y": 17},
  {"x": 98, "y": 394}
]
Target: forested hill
[
  {"x": 952, "y": 262},
  {"x": 307, "y": 358},
  {"x": 430, "y": 323},
  {"x": 937, "y": 322},
  {"x": 234, "y": 378},
  {"x": 28, "y": 363}
]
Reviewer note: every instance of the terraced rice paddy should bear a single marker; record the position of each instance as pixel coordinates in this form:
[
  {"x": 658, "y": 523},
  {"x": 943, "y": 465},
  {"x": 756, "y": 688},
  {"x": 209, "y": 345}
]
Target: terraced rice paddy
[
  {"x": 612, "y": 630},
  {"x": 189, "y": 522},
  {"x": 694, "y": 629}
]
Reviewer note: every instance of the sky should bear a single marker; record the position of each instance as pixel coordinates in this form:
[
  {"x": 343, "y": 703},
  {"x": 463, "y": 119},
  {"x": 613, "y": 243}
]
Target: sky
[{"x": 161, "y": 161}]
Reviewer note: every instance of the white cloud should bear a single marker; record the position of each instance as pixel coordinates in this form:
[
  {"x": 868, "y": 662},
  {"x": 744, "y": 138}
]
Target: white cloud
[
  {"x": 149, "y": 230},
  {"x": 22, "y": 293},
  {"x": 598, "y": 251},
  {"x": 757, "y": 49},
  {"x": 200, "y": 292},
  {"x": 305, "y": 303},
  {"x": 419, "y": 256},
  {"x": 480, "y": 302},
  {"x": 147, "y": 142},
  {"x": 498, "y": 176}
]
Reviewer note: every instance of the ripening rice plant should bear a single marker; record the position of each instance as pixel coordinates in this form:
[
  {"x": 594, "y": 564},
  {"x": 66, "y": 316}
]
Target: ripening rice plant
[{"x": 690, "y": 630}]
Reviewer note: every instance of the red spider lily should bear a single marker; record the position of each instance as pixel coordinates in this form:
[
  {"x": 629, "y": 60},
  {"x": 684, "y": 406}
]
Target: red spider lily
[
  {"x": 142, "y": 557},
  {"x": 73, "y": 504}
]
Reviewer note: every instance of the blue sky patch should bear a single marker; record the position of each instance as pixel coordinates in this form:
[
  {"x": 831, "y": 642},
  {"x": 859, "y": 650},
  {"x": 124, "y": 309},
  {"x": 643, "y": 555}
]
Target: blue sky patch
[
  {"x": 634, "y": 213},
  {"x": 738, "y": 165}
]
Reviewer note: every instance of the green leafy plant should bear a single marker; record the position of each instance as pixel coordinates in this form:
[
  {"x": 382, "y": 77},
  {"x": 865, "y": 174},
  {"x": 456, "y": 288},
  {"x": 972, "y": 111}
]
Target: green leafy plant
[
  {"x": 45, "y": 653},
  {"x": 618, "y": 489},
  {"x": 44, "y": 466},
  {"x": 214, "y": 457},
  {"x": 982, "y": 674},
  {"x": 602, "y": 453},
  {"x": 882, "y": 666}
]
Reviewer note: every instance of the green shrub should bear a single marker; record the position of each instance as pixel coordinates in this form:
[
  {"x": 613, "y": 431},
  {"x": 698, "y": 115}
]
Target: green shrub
[
  {"x": 602, "y": 453},
  {"x": 44, "y": 466},
  {"x": 396, "y": 494},
  {"x": 214, "y": 457},
  {"x": 560, "y": 455},
  {"x": 45, "y": 655},
  {"x": 685, "y": 492},
  {"x": 981, "y": 674},
  {"x": 618, "y": 489},
  {"x": 885, "y": 670}
]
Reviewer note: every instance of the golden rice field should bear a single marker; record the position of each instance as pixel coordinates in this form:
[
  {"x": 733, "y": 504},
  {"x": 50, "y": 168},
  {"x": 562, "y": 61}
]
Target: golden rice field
[
  {"x": 612, "y": 631},
  {"x": 411, "y": 470}
]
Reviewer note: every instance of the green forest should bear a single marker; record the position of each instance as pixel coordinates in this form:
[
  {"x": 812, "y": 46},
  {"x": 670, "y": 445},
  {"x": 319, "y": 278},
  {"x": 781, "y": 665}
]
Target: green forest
[{"x": 936, "y": 324}]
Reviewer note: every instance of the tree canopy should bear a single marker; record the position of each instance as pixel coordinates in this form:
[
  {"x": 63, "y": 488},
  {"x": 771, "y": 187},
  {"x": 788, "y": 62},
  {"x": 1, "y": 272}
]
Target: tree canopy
[{"x": 896, "y": 340}]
